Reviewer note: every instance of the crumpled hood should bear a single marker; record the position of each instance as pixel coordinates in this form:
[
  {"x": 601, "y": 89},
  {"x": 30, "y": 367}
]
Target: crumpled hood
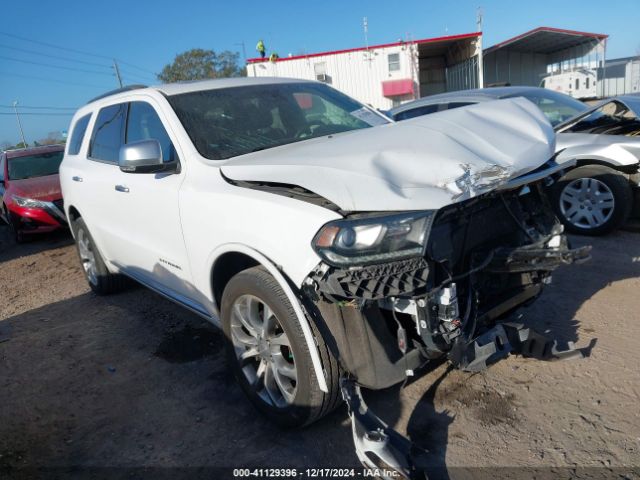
[
  {"x": 423, "y": 163},
  {"x": 39, "y": 188}
]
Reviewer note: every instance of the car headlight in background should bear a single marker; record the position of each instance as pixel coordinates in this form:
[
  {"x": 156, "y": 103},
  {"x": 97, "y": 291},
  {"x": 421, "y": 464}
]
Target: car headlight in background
[
  {"x": 28, "y": 202},
  {"x": 373, "y": 239}
]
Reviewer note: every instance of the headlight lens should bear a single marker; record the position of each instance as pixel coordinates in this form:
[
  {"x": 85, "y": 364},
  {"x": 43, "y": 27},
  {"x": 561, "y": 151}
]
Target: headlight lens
[
  {"x": 373, "y": 239},
  {"x": 28, "y": 202}
]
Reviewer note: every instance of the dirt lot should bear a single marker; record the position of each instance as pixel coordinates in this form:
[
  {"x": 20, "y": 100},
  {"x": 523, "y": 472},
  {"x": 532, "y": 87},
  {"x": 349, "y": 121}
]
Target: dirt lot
[{"x": 134, "y": 381}]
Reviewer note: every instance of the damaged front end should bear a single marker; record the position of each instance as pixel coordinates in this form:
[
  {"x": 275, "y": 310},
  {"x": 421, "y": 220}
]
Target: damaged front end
[{"x": 443, "y": 283}]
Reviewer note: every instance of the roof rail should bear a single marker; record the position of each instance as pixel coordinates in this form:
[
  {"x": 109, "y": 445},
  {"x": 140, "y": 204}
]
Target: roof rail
[{"x": 117, "y": 90}]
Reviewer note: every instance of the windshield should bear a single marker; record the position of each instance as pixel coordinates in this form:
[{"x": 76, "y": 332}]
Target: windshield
[
  {"x": 227, "y": 122},
  {"x": 612, "y": 118},
  {"x": 31, "y": 166},
  {"x": 557, "y": 107}
]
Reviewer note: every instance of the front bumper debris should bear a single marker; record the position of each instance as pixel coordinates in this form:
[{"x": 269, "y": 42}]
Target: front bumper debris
[
  {"x": 382, "y": 448},
  {"x": 379, "y": 447},
  {"x": 510, "y": 338}
]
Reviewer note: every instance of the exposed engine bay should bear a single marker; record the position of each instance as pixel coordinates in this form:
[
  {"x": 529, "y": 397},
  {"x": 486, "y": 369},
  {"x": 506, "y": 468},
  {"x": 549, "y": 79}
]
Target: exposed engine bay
[{"x": 485, "y": 258}]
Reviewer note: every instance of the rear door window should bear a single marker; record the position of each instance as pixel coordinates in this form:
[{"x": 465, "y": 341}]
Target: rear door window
[
  {"x": 143, "y": 123},
  {"x": 77, "y": 136},
  {"x": 108, "y": 133}
]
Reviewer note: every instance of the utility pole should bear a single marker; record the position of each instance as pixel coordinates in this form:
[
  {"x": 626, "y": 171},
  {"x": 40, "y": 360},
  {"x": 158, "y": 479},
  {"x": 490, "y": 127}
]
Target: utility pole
[
  {"x": 479, "y": 18},
  {"x": 15, "y": 109},
  {"x": 117, "y": 70},
  {"x": 244, "y": 51},
  {"x": 365, "y": 26}
]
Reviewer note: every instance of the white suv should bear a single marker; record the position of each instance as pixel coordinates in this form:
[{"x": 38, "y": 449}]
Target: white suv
[{"x": 324, "y": 239}]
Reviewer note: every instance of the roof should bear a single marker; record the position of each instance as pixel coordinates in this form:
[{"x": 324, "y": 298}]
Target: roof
[
  {"x": 199, "y": 85},
  {"x": 372, "y": 47},
  {"x": 475, "y": 95},
  {"x": 23, "y": 152},
  {"x": 547, "y": 40}
]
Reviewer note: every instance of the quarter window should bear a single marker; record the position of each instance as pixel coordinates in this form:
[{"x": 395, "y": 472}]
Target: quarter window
[
  {"x": 108, "y": 133},
  {"x": 77, "y": 135},
  {"x": 394, "y": 62},
  {"x": 143, "y": 123}
]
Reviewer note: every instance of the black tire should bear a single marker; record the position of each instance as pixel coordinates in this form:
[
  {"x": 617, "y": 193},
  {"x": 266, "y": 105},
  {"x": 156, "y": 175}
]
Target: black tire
[
  {"x": 619, "y": 187},
  {"x": 15, "y": 234},
  {"x": 309, "y": 403},
  {"x": 103, "y": 282}
]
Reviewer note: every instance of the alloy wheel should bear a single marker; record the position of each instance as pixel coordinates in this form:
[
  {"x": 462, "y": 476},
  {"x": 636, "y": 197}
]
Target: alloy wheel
[
  {"x": 87, "y": 257},
  {"x": 264, "y": 351},
  {"x": 587, "y": 203}
]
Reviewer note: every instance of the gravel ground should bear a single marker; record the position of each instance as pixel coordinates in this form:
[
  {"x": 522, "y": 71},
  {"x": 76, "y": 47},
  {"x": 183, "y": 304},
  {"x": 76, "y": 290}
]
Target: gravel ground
[{"x": 132, "y": 380}]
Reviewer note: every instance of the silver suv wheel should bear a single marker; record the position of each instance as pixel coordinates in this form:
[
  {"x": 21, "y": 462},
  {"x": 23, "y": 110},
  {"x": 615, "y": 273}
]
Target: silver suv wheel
[
  {"x": 264, "y": 351},
  {"x": 87, "y": 257}
]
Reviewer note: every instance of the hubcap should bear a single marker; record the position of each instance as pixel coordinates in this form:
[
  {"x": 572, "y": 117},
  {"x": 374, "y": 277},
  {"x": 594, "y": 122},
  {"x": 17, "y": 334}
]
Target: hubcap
[
  {"x": 264, "y": 351},
  {"x": 87, "y": 257},
  {"x": 587, "y": 203}
]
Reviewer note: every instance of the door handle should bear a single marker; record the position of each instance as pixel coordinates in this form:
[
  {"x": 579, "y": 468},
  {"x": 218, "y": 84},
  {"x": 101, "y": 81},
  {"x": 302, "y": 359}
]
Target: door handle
[
  {"x": 122, "y": 188},
  {"x": 76, "y": 179}
]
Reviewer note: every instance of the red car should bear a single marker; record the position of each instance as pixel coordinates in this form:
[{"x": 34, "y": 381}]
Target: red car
[{"x": 31, "y": 200}]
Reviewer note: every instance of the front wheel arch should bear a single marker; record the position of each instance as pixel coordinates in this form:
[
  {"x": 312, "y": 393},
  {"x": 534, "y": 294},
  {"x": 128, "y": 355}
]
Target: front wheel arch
[{"x": 287, "y": 287}]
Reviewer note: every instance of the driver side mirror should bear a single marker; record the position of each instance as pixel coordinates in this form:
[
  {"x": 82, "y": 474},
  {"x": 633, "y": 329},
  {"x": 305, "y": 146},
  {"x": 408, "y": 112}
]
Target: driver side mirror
[{"x": 144, "y": 156}]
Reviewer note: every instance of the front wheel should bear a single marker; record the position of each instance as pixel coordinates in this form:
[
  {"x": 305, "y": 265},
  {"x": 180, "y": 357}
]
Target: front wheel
[
  {"x": 268, "y": 353},
  {"x": 14, "y": 232},
  {"x": 593, "y": 200}
]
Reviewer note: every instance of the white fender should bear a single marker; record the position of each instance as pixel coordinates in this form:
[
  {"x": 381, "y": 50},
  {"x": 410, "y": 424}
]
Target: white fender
[{"x": 277, "y": 274}]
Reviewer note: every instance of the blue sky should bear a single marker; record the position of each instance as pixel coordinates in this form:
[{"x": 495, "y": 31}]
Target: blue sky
[{"x": 147, "y": 35}]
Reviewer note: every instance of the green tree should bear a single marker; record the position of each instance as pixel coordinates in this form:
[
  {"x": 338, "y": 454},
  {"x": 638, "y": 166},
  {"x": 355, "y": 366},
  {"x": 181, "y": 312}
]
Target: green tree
[{"x": 199, "y": 64}]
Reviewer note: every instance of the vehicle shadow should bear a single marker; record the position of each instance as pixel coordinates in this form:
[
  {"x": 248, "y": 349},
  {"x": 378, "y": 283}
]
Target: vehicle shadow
[
  {"x": 132, "y": 379},
  {"x": 10, "y": 250},
  {"x": 556, "y": 314}
]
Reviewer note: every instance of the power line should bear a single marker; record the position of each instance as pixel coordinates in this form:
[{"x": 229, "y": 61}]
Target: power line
[
  {"x": 137, "y": 77},
  {"x": 48, "y": 65},
  {"x": 39, "y": 113},
  {"x": 32, "y": 77},
  {"x": 66, "y": 59},
  {"x": 73, "y": 50},
  {"x": 135, "y": 66},
  {"x": 40, "y": 108}
]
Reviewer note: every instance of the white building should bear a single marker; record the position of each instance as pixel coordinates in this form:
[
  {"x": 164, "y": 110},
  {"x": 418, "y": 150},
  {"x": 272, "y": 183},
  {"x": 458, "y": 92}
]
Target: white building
[{"x": 386, "y": 75}]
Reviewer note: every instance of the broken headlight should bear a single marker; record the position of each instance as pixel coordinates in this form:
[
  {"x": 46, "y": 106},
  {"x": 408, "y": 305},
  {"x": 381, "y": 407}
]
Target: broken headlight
[{"x": 373, "y": 239}]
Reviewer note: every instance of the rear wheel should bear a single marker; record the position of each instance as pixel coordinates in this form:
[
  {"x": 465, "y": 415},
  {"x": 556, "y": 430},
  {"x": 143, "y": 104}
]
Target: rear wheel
[
  {"x": 268, "y": 352},
  {"x": 96, "y": 272},
  {"x": 593, "y": 200}
]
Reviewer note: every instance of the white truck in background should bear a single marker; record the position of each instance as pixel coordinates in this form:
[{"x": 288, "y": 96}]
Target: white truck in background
[{"x": 581, "y": 84}]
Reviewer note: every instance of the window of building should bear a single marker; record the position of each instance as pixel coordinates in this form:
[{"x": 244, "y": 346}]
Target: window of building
[
  {"x": 108, "y": 133},
  {"x": 320, "y": 70},
  {"x": 143, "y": 123},
  {"x": 394, "y": 62},
  {"x": 577, "y": 83},
  {"x": 77, "y": 135}
]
